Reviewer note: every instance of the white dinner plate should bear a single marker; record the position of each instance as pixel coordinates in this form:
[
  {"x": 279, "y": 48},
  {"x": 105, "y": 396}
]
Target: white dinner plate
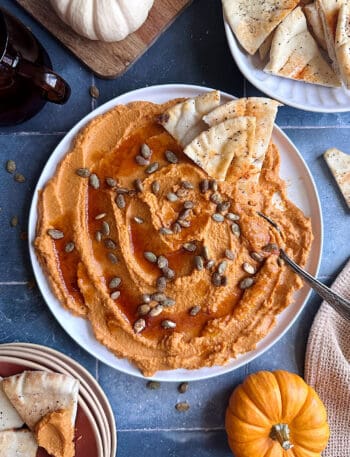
[
  {"x": 301, "y": 190},
  {"x": 305, "y": 96}
]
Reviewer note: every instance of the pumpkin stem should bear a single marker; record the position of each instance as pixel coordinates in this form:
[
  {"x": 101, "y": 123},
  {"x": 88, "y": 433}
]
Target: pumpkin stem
[{"x": 281, "y": 433}]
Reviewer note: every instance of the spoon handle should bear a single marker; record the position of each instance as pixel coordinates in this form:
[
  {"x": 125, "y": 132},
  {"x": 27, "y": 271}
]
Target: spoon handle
[{"x": 340, "y": 304}]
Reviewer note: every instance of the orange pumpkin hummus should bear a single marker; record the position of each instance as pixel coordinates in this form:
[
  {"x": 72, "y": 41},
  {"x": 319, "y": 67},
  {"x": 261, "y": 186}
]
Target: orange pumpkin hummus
[
  {"x": 55, "y": 433},
  {"x": 96, "y": 237}
]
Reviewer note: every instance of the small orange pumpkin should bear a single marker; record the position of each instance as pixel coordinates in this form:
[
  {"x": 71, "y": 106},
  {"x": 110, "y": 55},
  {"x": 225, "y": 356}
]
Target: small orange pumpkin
[{"x": 276, "y": 414}]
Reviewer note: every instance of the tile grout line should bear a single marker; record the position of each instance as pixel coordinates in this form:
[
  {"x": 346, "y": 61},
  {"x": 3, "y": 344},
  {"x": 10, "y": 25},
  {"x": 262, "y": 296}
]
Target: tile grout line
[
  {"x": 13, "y": 283},
  {"x": 97, "y": 374}
]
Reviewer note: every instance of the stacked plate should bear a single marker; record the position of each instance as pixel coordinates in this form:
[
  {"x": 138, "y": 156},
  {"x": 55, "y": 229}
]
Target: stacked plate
[{"x": 95, "y": 426}]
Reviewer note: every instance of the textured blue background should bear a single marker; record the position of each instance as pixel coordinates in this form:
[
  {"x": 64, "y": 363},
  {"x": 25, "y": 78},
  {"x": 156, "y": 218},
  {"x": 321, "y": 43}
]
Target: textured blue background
[{"x": 192, "y": 50}]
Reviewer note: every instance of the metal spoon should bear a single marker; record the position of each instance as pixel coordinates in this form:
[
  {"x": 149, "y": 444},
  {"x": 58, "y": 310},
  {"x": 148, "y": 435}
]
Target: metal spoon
[{"x": 338, "y": 303}]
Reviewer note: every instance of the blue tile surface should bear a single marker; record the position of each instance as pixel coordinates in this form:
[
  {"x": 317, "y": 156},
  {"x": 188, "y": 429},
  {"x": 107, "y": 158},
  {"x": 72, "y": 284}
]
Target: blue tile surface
[{"x": 193, "y": 50}]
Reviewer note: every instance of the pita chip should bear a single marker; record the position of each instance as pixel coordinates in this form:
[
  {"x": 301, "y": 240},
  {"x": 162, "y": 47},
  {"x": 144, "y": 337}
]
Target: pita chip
[
  {"x": 230, "y": 141},
  {"x": 37, "y": 393},
  {"x": 294, "y": 54},
  {"x": 9, "y": 417},
  {"x": 339, "y": 164},
  {"x": 252, "y": 21},
  {"x": 314, "y": 21},
  {"x": 184, "y": 120},
  {"x": 263, "y": 109},
  {"x": 342, "y": 43},
  {"x": 265, "y": 47},
  {"x": 17, "y": 443}
]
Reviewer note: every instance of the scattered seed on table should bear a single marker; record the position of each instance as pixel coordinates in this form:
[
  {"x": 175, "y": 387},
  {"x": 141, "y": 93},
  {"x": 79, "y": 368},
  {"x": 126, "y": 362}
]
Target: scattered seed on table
[
  {"x": 153, "y": 385},
  {"x": 235, "y": 229},
  {"x": 199, "y": 263},
  {"x": 210, "y": 264},
  {"x": 246, "y": 283},
  {"x": 14, "y": 221},
  {"x": 187, "y": 185},
  {"x": 222, "y": 267},
  {"x": 204, "y": 186},
  {"x": 230, "y": 255},
  {"x": 232, "y": 217},
  {"x": 114, "y": 282},
  {"x": 69, "y": 247},
  {"x": 182, "y": 407},
  {"x": 19, "y": 178},
  {"x": 115, "y": 295},
  {"x": 213, "y": 185},
  {"x": 112, "y": 258},
  {"x": 152, "y": 168},
  {"x": 161, "y": 284},
  {"x": 111, "y": 182},
  {"x": 94, "y": 92},
  {"x": 100, "y": 216},
  {"x": 120, "y": 201},
  {"x": 105, "y": 228},
  {"x": 165, "y": 231},
  {"x": 183, "y": 387},
  {"x": 256, "y": 256},
  {"x": 138, "y": 185},
  {"x": 146, "y": 151},
  {"x": 171, "y": 157},
  {"x": 150, "y": 256},
  {"x": 162, "y": 262},
  {"x": 217, "y": 217},
  {"x": 11, "y": 166},
  {"x": 94, "y": 181},
  {"x": 167, "y": 324},
  {"x": 195, "y": 310},
  {"x": 155, "y": 186},
  {"x": 248, "y": 268},
  {"x": 171, "y": 197},
  {"x": 156, "y": 311},
  {"x": 146, "y": 298},
  {"x": 139, "y": 325},
  {"x": 55, "y": 234},
  {"x": 141, "y": 161},
  {"x": 190, "y": 247},
  {"x": 143, "y": 309},
  {"x": 168, "y": 302},
  {"x": 216, "y": 279},
  {"x": 83, "y": 172}
]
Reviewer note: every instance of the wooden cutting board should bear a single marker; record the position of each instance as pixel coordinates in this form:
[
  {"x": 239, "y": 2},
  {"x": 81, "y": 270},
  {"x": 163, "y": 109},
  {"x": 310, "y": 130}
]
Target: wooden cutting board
[{"x": 108, "y": 60}]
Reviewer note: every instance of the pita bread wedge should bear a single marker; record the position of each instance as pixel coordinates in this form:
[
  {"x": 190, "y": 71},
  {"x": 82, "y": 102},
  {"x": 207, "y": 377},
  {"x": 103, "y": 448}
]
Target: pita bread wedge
[
  {"x": 342, "y": 43},
  {"x": 9, "y": 417},
  {"x": 265, "y": 47},
  {"x": 184, "y": 120},
  {"x": 315, "y": 23},
  {"x": 339, "y": 164},
  {"x": 294, "y": 54},
  {"x": 37, "y": 393},
  {"x": 263, "y": 109},
  {"x": 230, "y": 141},
  {"x": 17, "y": 443},
  {"x": 329, "y": 11},
  {"x": 252, "y": 21}
]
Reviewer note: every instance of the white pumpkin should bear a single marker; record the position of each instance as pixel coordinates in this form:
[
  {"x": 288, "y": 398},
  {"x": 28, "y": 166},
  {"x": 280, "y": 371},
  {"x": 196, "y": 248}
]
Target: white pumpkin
[{"x": 105, "y": 20}]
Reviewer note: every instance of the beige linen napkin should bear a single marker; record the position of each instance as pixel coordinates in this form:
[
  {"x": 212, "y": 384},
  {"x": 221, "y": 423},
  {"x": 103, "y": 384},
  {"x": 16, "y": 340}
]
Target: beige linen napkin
[{"x": 327, "y": 367}]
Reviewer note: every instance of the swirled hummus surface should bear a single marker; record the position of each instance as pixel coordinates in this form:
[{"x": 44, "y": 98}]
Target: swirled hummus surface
[{"x": 109, "y": 227}]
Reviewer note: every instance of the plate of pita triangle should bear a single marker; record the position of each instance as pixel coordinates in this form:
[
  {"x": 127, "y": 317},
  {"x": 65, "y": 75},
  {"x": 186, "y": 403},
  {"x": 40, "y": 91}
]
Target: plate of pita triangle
[
  {"x": 291, "y": 52},
  {"x": 39, "y": 389}
]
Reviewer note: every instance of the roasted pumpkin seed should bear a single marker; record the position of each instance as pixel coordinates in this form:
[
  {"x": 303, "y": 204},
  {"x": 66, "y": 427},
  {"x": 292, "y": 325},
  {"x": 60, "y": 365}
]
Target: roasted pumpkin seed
[
  {"x": 83, "y": 172},
  {"x": 146, "y": 151},
  {"x": 114, "y": 282},
  {"x": 94, "y": 181},
  {"x": 139, "y": 325},
  {"x": 55, "y": 234},
  {"x": 152, "y": 168},
  {"x": 69, "y": 247},
  {"x": 195, "y": 310},
  {"x": 246, "y": 283},
  {"x": 150, "y": 256},
  {"x": 167, "y": 324},
  {"x": 141, "y": 161},
  {"x": 171, "y": 157}
]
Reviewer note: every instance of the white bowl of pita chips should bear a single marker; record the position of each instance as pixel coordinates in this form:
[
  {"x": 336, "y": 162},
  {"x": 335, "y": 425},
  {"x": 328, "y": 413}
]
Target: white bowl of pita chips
[
  {"x": 290, "y": 52},
  {"x": 43, "y": 414}
]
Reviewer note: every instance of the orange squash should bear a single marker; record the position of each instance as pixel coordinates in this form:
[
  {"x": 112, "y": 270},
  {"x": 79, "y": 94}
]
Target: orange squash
[{"x": 276, "y": 414}]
